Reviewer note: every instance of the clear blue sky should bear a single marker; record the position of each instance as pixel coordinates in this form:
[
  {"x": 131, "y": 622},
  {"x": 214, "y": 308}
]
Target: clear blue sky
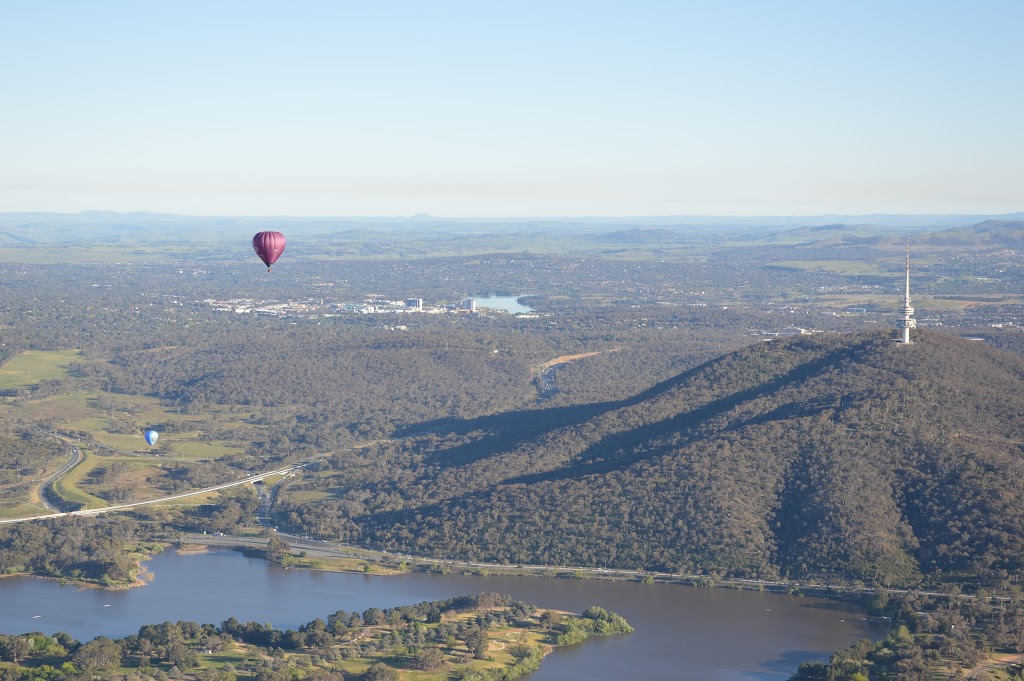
[{"x": 512, "y": 108}]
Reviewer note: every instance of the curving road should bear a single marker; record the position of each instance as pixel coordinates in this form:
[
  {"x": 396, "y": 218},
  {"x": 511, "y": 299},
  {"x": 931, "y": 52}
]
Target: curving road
[
  {"x": 44, "y": 487},
  {"x": 321, "y": 548},
  {"x": 173, "y": 497}
]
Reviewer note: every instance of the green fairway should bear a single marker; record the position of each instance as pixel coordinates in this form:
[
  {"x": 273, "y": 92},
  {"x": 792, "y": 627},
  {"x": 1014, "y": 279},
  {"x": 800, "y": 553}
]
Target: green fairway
[{"x": 32, "y": 366}]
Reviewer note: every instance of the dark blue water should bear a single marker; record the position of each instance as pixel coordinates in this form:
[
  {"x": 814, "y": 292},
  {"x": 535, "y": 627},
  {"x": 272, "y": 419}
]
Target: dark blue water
[{"x": 682, "y": 633}]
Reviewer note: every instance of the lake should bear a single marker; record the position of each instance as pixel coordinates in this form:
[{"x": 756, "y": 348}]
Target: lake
[
  {"x": 508, "y": 303},
  {"x": 682, "y": 633}
]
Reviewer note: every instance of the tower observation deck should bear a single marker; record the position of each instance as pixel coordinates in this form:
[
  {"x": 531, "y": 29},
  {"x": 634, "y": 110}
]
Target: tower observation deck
[{"x": 907, "y": 321}]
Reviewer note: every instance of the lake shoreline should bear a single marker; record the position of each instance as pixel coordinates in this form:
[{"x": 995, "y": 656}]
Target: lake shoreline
[
  {"x": 305, "y": 555},
  {"x": 688, "y": 627},
  {"x": 501, "y": 639},
  {"x": 326, "y": 550}
]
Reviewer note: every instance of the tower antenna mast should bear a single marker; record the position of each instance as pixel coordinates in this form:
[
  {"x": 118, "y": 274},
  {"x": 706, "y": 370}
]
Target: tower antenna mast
[{"x": 907, "y": 322}]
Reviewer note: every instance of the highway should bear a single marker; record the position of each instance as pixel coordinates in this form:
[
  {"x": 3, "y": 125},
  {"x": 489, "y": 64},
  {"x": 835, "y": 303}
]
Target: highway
[
  {"x": 314, "y": 548},
  {"x": 328, "y": 549},
  {"x": 123, "y": 507},
  {"x": 76, "y": 458},
  {"x": 324, "y": 549}
]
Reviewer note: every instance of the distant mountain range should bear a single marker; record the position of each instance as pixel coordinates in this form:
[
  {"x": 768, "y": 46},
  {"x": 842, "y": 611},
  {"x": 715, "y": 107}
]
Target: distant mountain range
[
  {"x": 818, "y": 456},
  {"x": 113, "y": 227}
]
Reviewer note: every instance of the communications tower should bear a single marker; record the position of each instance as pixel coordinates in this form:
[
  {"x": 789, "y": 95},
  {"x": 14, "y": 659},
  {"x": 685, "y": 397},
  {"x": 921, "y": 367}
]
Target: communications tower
[{"x": 907, "y": 322}]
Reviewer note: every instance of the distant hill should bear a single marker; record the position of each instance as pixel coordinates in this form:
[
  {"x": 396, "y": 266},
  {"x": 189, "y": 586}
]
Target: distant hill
[
  {"x": 990, "y": 234},
  {"x": 640, "y": 236},
  {"x": 114, "y": 227},
  {"x": 1006, "y": 232},
  {"x": 846, "y": 456}
]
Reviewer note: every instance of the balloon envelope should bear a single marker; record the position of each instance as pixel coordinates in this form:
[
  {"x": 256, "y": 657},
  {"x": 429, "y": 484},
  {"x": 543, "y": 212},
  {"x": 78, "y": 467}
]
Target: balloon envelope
[
  {"x": 269, "y": 246},
  {"x": 151, "y": 437}
]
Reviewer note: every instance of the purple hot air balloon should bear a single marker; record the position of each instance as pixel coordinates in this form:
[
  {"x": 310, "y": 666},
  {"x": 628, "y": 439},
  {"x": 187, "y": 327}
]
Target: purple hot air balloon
[{"x": 269, "y": 246}]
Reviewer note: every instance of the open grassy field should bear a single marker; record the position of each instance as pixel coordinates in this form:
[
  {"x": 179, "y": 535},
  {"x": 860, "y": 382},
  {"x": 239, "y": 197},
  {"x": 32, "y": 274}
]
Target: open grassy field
[
  {"x": 218, "y": 660},
  {"x": 29, "y": 367},
  {"x": 205, "y": 450},
  {"x": 21, "y": 511},
  {"x": 65, "y": 408},
  {"x": 358, "y": 565},
  {"x": 119, "y": 465},
  {"x": 179, "y": 445},
  {"x": 126, "y": 442},
  {"x": 104, "y": 480}
]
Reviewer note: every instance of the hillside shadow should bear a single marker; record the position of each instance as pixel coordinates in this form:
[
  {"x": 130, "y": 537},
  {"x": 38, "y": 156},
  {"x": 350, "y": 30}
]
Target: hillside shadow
[
  {"x": 619, "y": 450},
  {"x": 507, "y": 430},
  {"x": 595, "y": 458}
]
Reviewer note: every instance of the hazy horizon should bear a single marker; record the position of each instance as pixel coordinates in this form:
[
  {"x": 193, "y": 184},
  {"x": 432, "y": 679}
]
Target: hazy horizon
[
  {"x": 100, "y": 212},
  {"x": 461, "y": 109}
]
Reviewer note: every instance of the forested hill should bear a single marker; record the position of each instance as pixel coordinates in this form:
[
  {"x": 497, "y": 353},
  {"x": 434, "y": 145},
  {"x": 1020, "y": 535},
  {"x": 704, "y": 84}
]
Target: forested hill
[{"x": 827, "y": 455}]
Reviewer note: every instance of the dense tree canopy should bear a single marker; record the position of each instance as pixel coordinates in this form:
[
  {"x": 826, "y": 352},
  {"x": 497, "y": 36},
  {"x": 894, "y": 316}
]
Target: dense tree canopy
[
  {"x": 851, "y": 457},
  {"x": 80, "y": 548},
  {"x": 827, "y": 456}
]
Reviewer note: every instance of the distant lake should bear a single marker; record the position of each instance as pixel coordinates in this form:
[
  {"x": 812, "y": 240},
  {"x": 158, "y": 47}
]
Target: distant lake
[
  {"x": 682, "y": 633},
  {"x": 507, "y": 303}
]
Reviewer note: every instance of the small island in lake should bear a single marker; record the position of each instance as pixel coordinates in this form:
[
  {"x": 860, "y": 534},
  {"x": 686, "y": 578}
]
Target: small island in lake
[{"x": 474, "y": 638}]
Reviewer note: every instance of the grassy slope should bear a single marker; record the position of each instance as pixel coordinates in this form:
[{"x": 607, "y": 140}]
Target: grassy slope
[
  {"x": 104, "y": 427},
  {"x": 30, "y": 367}
]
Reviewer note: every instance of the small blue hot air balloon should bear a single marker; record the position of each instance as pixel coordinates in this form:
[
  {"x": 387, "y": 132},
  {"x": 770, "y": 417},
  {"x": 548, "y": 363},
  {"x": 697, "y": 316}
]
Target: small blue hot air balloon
[{"x": 151, "y": 437}]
